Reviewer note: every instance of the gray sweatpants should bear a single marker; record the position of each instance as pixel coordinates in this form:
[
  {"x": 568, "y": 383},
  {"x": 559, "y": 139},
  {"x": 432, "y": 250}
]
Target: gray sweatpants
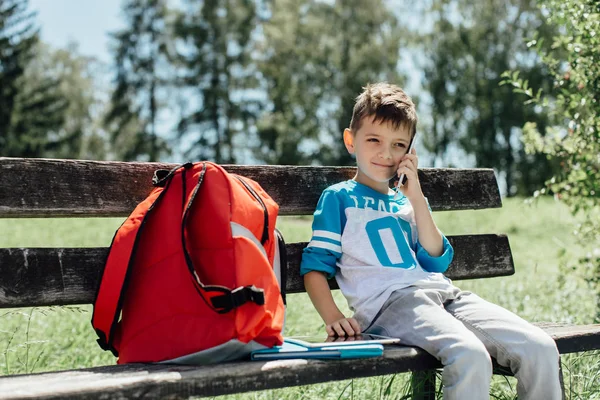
[{"x": 462, "y": 330}]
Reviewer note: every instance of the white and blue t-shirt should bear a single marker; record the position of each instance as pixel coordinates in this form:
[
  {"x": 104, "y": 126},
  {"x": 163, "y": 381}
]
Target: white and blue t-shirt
[{"x": 368, "y": 241}]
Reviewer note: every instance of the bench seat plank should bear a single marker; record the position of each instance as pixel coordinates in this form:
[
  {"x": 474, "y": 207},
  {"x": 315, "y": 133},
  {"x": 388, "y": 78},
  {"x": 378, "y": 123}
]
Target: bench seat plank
[
  {"x": 76, "y": 188},
  {"x": 60, "y": 276},
  {"x": 154, "y": 381}
]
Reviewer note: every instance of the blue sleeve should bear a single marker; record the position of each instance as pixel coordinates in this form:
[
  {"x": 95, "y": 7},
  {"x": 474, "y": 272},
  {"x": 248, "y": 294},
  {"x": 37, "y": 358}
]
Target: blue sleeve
[
  {"x": 325, "y": 246},
  {"x": 435, "y": 264}
]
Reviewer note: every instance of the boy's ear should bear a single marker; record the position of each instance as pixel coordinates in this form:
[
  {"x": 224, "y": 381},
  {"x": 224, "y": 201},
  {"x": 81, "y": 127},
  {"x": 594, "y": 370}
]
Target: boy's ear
[{"x": 349, "y": 140}]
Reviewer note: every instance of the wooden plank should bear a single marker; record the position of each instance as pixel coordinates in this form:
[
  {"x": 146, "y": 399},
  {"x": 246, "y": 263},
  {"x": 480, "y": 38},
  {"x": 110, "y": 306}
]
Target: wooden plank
[
  {"x": 46, "y": 276},
  {"x": 475, "y": 256},
  {"x": 182, "y": 382},
  {"x": 573, "y": 338},
  {"x": 156, "y": 381},
  {"x": 71, "y": 188}
]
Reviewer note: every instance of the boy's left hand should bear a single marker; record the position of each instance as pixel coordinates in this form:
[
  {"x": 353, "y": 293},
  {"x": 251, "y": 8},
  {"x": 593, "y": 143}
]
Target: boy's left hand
[{"x": 408, "y": 166}]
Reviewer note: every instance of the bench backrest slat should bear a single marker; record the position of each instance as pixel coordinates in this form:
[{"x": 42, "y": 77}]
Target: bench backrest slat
[
  {"x": 75, "y": 188},
  {"x": 79, "y": 188},
  {"x": 45, "y": 276}
]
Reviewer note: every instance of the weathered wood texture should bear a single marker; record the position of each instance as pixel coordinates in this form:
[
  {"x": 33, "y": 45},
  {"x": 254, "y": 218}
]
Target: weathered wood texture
[
  {"x": 180, "y": 382},
  {"x": 45, "y": 276},
  {"x": 70, "y": 188}
]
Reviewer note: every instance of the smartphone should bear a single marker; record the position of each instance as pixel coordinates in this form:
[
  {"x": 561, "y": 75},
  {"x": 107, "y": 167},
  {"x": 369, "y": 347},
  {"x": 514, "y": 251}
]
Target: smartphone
[{"x": 402, "y": 178}]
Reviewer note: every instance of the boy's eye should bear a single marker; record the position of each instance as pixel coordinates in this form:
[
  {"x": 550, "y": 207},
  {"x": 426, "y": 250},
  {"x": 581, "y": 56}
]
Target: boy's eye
[
  {"x": 401, "y": 145},
  {"x": 372, "y": 140}
]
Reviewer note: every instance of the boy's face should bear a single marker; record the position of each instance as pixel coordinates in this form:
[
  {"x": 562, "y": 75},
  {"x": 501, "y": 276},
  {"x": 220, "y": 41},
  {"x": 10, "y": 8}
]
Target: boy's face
[{"x": 379, "y": 148}]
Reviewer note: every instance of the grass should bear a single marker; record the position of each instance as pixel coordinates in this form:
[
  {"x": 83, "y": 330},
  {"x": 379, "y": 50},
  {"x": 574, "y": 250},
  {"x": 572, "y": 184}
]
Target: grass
[{"x": 55, "y": 338}]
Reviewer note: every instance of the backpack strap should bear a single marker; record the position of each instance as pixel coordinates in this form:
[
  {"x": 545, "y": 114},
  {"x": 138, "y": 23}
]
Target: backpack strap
[
  {"x": 281, "y": 265},
  {"x": 116, "y": 274},
  {"x": 219, "y": 298}
]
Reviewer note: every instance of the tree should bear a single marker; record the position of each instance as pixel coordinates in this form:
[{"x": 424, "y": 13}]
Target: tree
[
  {"x": 31, "y": 110},
  {"x": 572, "y": 139},
  {"x": 142, "y": 65},
  {"x": 467, "y": 53},
  {"x": 17, "y": 37},
  {"x": 369, "y": 43},
  {"x": 216, "y": 76},
  {"x": 76, "y": 132},
  {"x": 319, "y": 55},
  {"x": 295, "y": 75}
]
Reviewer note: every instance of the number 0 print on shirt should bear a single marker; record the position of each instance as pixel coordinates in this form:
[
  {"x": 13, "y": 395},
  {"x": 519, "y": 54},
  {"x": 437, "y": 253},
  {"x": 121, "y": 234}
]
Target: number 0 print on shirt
[{"x": 390, "y": 228}]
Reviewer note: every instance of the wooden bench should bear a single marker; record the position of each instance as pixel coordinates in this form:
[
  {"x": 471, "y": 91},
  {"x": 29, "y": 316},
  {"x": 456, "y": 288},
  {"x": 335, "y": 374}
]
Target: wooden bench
[{"x": 61, "y": 276}]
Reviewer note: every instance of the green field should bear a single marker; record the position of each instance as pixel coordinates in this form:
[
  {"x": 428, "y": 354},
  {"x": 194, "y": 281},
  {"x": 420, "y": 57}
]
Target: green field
[{"x": 544, "y": 288}]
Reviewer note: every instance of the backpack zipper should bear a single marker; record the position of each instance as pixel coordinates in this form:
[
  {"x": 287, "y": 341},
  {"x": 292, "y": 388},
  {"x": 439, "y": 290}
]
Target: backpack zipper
[{"x": 265, "y": 235}]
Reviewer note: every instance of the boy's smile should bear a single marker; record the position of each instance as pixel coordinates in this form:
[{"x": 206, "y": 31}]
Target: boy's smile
[{"x": 379, "y": 148}]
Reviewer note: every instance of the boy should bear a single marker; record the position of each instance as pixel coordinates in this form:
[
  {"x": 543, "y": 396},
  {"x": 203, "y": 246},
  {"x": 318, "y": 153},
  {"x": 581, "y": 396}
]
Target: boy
[{"x": 388, "y": 257}]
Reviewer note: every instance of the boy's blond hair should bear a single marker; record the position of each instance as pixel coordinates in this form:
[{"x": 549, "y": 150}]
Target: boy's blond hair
[{"x": 385, "y": 103}]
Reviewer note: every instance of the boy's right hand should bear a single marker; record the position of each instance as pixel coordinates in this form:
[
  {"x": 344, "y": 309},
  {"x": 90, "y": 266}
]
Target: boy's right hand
[{"x": 343, "y": 327}]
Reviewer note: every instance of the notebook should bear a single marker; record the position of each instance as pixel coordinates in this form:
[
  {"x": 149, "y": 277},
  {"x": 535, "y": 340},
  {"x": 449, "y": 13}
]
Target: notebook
[
  {"x": 291, "y": 350},
  {"x": 325, "y": 348}
]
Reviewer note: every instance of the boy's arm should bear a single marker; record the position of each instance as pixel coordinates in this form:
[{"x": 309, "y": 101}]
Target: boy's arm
[
  {"x": 429, "y": 234},
  {"x": 434, "y": 252},
  {"x": 336, "y": 322},
  {"x": 319, "y": 263}
]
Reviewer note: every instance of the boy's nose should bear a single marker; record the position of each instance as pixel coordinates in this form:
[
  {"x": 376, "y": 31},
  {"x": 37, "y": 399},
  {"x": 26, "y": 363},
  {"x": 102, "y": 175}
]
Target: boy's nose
[{"x": 385, "y": 154}]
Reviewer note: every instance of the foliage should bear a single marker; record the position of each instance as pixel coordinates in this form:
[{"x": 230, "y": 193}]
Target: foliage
[
  {"x": 317, "y": 57},
  {"x": 17, "y": 38},
  {"x": 294, "y": 74},
  {"x": 32, "y": 109},
  {"x": 369, "y": 40},
  {"x": 468, "y": 48},
  {"x": 47, "y": 96},
  {"x": 217, "y": 77},
  {"x": 79, "y": 134},
  {"x": 573, "y": 104},
  {"x": 140, "y": 59}
]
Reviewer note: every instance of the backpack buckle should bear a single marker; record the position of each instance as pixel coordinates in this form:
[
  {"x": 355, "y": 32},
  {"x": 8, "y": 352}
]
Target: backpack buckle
[
  {"x": 244, "y": 294},
  {"x": 256, "y": 295},
  {"x": 239, "y": 297}
]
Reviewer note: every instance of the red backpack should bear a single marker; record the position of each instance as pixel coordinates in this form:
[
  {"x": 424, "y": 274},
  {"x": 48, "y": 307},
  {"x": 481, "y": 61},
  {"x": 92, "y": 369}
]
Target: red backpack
[{"x": 191, "y": 275}]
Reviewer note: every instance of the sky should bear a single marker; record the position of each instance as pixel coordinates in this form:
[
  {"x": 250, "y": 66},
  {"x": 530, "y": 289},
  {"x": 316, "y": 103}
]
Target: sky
[{"x": 85, "y": 21}]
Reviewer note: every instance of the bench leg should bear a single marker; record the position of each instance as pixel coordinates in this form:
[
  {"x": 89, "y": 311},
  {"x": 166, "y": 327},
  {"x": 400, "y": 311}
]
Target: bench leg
[
  {"x": 423, "y": 385},
  {"x": 562, "y": 379}
]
